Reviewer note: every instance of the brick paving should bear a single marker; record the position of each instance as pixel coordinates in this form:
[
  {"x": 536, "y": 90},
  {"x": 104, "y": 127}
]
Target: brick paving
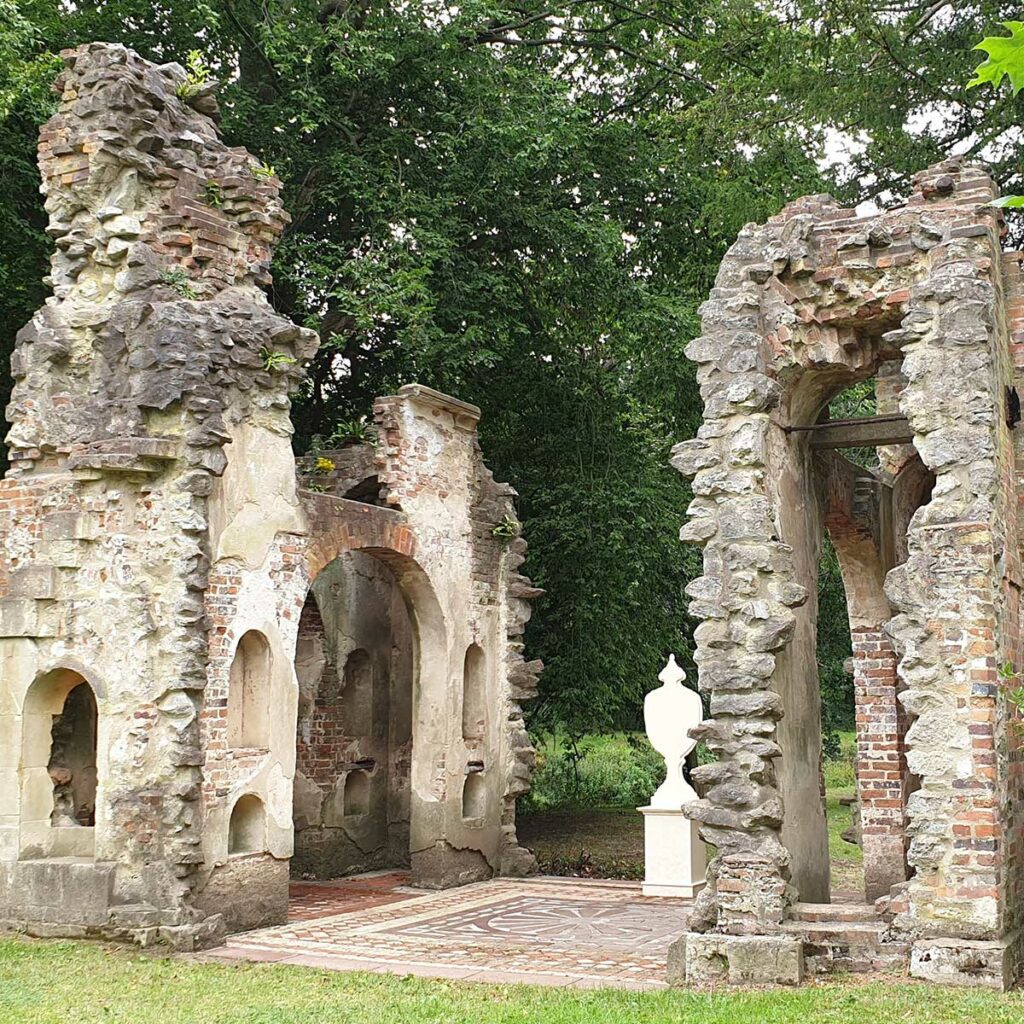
[
  {"x": 563, "y": 932},
  {"x": 310, "y": 900}
]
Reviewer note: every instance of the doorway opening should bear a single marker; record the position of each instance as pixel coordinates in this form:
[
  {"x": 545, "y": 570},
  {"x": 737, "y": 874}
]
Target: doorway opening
[
  {"x": 870, "y": 482},
  {"x": 355, "y": 663}
]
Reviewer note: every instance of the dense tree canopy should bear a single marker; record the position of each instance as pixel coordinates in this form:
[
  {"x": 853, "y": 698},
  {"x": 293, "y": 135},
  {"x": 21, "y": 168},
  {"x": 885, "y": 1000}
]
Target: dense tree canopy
[{"x": 524, "y": 203}]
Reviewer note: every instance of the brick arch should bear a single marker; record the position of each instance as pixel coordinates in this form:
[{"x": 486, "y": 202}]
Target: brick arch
[{"x": 338, "y": 525}]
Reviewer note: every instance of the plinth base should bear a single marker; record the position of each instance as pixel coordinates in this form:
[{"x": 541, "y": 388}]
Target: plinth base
[{"x": 674, "y": 855}]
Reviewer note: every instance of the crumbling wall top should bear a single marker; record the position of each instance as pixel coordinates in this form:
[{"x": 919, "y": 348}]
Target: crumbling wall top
[{"x": 163, "y": 241}]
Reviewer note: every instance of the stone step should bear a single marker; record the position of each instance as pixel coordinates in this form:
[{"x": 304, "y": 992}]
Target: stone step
[
  {"x": 846, "y": 933},
  {"x": 835, "y": 912},
  {"x": 845, "y": 943}
]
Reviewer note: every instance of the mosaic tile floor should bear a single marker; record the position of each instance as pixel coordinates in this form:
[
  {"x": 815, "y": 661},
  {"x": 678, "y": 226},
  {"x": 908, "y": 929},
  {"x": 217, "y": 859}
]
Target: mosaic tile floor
[{"x": 547, "y": 931}]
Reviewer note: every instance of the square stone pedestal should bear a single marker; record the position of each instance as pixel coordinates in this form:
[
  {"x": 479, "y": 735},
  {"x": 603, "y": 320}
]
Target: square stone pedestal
[{"x": 675, "y": 861}]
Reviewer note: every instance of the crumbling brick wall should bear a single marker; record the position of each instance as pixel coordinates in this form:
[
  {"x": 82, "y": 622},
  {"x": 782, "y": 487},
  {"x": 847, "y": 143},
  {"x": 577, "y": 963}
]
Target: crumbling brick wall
[{"x": 803, "y": 306}]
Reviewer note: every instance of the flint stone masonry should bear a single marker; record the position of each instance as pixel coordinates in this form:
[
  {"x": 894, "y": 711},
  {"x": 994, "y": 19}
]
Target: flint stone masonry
[
  {"x": 922, "y": 298},
  {"x": 160, "y": 543}
]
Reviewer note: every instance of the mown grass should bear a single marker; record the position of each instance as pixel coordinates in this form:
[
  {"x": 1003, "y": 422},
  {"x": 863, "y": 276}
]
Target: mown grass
[{"x": 84, "y": 983}]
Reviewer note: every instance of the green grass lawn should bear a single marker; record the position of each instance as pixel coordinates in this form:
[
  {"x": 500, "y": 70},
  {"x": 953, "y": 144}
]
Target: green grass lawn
[{"x": 83, "y": 983}]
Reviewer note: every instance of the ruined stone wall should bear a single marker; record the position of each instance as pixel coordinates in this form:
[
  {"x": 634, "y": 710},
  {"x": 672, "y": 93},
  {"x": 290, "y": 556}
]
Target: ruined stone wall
[
  {"x": 802, "y": 307},
  {"x": 467, "y": 544},
  {"x": 457, "y": 582},
  {"x": 158, "y": 547},
  {"x": 1009, "y": 745},
  {"x": 125, "y": 382}
]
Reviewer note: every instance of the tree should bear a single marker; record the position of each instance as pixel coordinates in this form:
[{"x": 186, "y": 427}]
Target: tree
[{"x": 524, "y": 204}]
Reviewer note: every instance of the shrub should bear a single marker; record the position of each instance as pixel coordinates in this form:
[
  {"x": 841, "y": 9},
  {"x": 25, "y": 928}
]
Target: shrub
[{"x": 620, "y": 770}]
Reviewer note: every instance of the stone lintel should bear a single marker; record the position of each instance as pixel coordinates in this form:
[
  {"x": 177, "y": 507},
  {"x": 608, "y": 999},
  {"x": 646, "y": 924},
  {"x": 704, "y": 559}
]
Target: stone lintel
[{"x": 439, "y": 400}]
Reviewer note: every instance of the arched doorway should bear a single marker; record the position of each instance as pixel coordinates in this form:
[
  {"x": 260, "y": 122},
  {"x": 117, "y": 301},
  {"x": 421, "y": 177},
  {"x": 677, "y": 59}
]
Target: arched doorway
[
  {"x": 854, "y": 481},
  {"x": 370, "y": 652}
]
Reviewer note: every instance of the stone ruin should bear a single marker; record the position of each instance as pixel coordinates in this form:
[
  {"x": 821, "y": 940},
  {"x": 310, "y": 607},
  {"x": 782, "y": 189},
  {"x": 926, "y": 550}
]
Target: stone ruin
[
  {"x": 219, "y": 663},
  {"x": 215, "y": 661},
  {"x": 922, "y": 299}
]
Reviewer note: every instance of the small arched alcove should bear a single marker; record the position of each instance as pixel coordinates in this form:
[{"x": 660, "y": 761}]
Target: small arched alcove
[
  {"x": 474, "y": 796},
  {"x": 60, "y": 757},
  {"x": 357, "y": 793},
  {"x": 474, "y": 693},
  {"x": 247, "y": 828},
  {"x": 72, "y": 764},
  {"x": 249, "y": 692}
]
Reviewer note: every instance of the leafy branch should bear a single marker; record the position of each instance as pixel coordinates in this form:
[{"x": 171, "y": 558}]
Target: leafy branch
[{"x": 1005, "y": 60}]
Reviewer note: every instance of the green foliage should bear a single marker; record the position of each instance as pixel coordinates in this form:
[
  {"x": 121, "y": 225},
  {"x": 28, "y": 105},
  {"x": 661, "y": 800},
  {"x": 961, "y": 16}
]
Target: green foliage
[
  {"x": 839, "y": 765},
  {"x": 273, "y": 360},
  {"x": 594, "y": 771},
  {"x": 353, "y": 430},
  {"x": 197, "y": 75},
  {"x": 213, "y": 194},
  {"x": 1005, "y": 59},
  {"x": 508, "y": 527},
  {"x": 178, "y": 279},
  {"x": 263, "y": 171},
  {"x": 526, "y": 209},
  {"x": 834, "y": 649}
]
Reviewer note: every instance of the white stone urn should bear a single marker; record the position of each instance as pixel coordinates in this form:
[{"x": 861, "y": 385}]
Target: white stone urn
[{"x": 674, "y": 856}]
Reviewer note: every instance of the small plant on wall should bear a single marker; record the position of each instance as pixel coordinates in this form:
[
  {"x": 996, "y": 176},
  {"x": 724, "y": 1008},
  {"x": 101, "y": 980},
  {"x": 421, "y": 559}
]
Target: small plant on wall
[
  {"x": 213, "y": 194},
  {"x": 263, "y": 171},
  {"x": 1010, "y": 678},
  {"x": 178, "y": 279},
  {"x": 275, "y": 360},
  {"x": 353, "y": 431},
  {"x": 197, "y": 76},
  {"x": 506, "y": 529}
]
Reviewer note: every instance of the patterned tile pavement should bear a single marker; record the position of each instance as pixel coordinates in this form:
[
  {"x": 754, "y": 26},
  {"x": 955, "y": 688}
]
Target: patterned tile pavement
[{"x": 564, "y": 932}]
